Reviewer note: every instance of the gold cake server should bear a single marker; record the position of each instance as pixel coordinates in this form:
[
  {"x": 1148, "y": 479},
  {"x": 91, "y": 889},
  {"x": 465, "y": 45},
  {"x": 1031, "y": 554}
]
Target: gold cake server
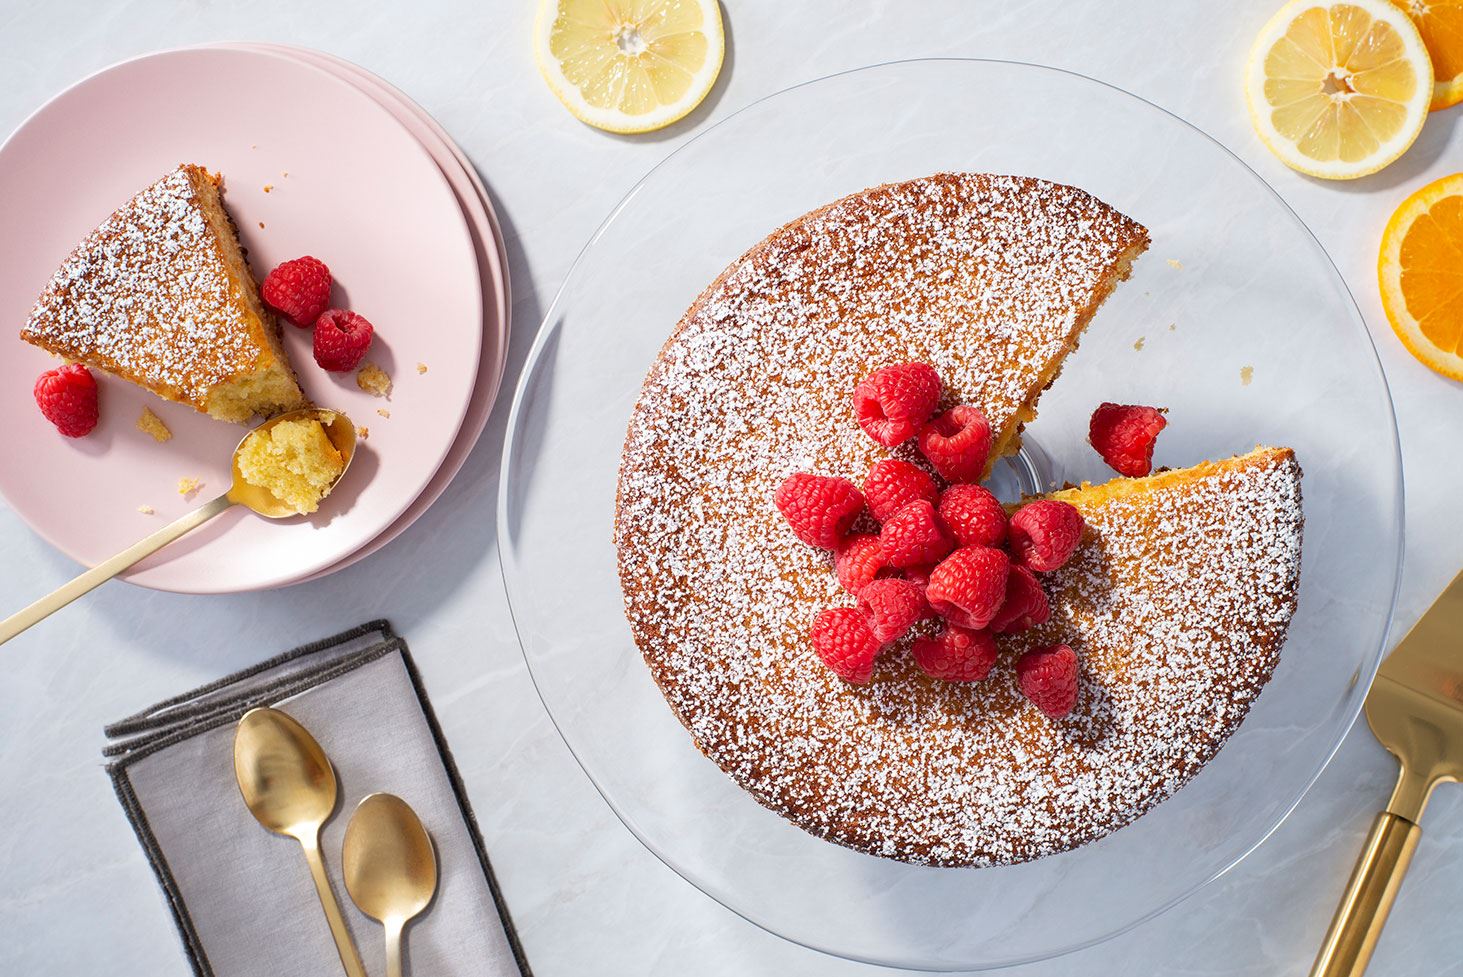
[{"x": 1415, "y": 708}]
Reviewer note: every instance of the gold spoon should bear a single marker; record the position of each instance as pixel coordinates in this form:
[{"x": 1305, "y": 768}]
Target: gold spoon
[
  {"x": 338, "y": 428},
  {"x": 289, "y": 786},
  {"x": 390, "y": 868}
]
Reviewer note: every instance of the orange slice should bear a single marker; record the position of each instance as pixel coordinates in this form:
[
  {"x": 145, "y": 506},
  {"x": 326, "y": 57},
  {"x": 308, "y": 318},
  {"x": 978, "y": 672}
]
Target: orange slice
[
  {"x": 1421, "y": 274},
  {"x": 1441, "y": 24}
]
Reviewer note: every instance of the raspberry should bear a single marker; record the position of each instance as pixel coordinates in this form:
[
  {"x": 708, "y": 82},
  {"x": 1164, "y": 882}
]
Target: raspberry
[
  {"x": 67, "y": 396},
  {"x": 892, "y": 606},
  {"x": 919, "y": 576},
  {"x": 970, "y": 586},
  {"x": 299, "y": 290},
  {"x": 1048, "y": 677},
  {"x": 341, "y": 340},
  {"x": 956, "y": 655},
  {"x": 913, "y": 536},
  {"x": 957, "y": 443},
  {"x": 1025, "y": 605},
  {"x": 845, "y": 642},
  {"x": 974, "y": 515},
  {"x": 1045, "y": 533},
  {"x": 859, "y": 561},
  {"x": 1124, "y": 434},
  {"x": 893, "y": 403},
  {"x": 819, "y": 508},
  {"x": 893, "y": 484}
]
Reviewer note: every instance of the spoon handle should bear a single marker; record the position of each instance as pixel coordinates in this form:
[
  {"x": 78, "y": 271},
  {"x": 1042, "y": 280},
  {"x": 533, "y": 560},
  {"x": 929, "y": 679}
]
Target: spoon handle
[
  {"x": 343, "y": 943},
  {"x": 393, "y": 945},
  {"x": 106, "y": 570}
]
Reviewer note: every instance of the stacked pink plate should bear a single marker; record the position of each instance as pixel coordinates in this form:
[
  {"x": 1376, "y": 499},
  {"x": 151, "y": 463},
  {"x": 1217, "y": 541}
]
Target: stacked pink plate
[{"x": 319, "y": 157}]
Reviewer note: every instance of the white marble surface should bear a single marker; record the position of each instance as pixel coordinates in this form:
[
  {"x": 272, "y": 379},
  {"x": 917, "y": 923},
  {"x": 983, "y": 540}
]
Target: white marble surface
[{"x": 75, "y": 893}]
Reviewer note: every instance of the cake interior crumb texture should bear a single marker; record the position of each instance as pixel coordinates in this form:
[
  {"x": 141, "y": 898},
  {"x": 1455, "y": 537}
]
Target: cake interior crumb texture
[
  {"x": 374, "y": 380},
  {"x": 1177, "y": 602},
  {"x": 294, "y": 460},
  {"x": 151, "y": 424}
]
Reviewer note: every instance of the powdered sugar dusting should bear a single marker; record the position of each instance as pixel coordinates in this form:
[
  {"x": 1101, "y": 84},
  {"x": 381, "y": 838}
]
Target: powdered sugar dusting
[
  {"x": 147, "y": 296},
  {"x": 1177, "y": 602}
]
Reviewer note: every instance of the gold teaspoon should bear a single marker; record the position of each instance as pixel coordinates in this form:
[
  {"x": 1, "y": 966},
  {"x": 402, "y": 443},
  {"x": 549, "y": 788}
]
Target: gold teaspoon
[
  {"x": 390, "y": 867},
  {"x": 338, "y": 428},
  {"x": 288, "y": 785}
]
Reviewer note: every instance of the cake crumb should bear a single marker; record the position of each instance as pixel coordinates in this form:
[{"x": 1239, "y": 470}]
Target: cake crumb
[
  {"x": 362, "y": 432},
  {"x": 292, "y": 460},
  {"x": 261, "y": 225},
  {"x": 285, "y": 174},
  {"x": 1176, "y": 263},
  {"x": 1172, "y": 326},
  {"x": 1138, "y": 343},
  {"x": 151, "y": 424},
  {"x": 383, "y": 411},
  {"x": 421, "y": 368},
  {"x": 1246, "y": 374},
  {"x": 188, "y": 487},
  {"x": 268, "y": 187},
  {"x": 146, "y": 510},
  {"x": 374, "y": 380}
]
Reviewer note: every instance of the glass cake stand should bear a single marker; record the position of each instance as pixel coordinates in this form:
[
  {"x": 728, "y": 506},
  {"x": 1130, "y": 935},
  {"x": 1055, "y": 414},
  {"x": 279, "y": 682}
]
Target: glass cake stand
[{"x": 1235, "y": 319}]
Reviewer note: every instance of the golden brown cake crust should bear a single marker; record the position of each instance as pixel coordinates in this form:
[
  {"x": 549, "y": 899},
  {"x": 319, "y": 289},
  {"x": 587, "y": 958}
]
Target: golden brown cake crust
[
  {"x": 989, "y": 279},
  {"x": 159, "y": 295}
]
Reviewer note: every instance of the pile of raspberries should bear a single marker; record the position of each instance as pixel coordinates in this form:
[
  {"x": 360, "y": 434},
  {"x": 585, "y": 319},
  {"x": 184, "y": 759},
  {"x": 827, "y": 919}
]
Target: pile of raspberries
[{"x": 945, "y": 548}]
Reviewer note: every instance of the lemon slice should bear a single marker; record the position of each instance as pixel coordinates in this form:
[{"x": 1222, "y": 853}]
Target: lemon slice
[
  {"x": 629, "y": 65},
  {"x": 1421, "y": 274},
  {"x": 1338, "y": 90},
  {"x": 1441, "y": 25}
]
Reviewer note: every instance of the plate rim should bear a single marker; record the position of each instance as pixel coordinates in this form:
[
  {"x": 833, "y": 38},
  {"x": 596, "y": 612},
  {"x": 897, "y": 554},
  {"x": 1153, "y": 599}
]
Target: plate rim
[{"x": 502, "y": 278}]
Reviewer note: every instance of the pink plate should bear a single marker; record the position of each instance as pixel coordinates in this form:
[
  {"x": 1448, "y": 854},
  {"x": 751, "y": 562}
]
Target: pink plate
[
  {"x": 492, "y": 259},
  {"x": 357, "y": 190}
]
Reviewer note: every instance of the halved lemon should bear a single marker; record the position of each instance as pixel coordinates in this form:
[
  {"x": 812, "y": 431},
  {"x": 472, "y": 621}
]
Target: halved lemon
[
  {"x": 1441, "y": 24},
  {"x": 1338, "y": 90},
  {"x": 1421, "y": 274},
  {"x": 629, "y": 65}
]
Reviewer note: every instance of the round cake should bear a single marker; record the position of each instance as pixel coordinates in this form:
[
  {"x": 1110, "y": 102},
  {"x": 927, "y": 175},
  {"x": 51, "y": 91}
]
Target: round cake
[{"x": 1177, "y": 600}]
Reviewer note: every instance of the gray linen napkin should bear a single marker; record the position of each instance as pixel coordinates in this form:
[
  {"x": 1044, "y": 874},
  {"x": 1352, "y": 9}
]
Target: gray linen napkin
[{"x": 241, "y": 896}]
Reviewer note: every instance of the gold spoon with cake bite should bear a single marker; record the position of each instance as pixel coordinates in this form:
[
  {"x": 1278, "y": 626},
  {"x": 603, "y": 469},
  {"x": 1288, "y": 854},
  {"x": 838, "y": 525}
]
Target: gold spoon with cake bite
[{"x": 324, "y": 439}]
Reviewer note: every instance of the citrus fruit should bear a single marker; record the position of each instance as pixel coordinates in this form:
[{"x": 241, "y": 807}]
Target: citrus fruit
[
  {"x": 1338, "y": 90},
  {"x": 1441, "y": 24},
  {"x": 1421, "y": 274},
  {"x": 629, "y": 65}
]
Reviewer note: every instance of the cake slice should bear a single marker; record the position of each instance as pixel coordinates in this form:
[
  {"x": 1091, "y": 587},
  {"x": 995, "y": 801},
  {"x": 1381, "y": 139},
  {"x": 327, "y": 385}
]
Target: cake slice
[{"x": 161, "y": 295}]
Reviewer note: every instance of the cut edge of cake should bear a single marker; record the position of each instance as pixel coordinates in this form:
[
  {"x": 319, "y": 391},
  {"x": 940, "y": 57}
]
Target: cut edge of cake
[
  {"x": 272, "y": 386},
  {"x": 1092, "y": 493},
  {"x": 1007, "y": 441}
]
